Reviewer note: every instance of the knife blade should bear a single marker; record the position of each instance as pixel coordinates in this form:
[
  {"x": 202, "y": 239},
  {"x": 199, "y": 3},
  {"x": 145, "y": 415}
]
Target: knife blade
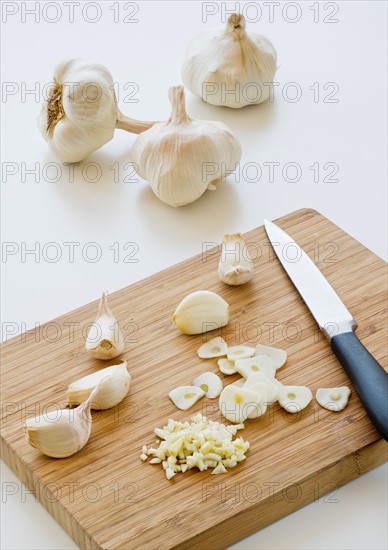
[{"x": 336, "y": 322}]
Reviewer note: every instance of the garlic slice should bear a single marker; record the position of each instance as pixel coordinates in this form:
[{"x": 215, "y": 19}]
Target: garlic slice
[
  {"x": 261, "y": 389},
  {"x": 239, "y": 383},
  {"x": 182, "y": 157},
  {"x": 278, "y": 356},
  {"x": 333, "y": 399},
  {"x": 230, "y": 67},
  {"x": 105, "y": 340},
  {"x": 240, "y": 352},
  {"x": 185, "y": 397},
  {"x": 200, "y": 312},
  {"x": 272, "y": 388},
  {"x": 294, "y": 398},
  {"x": 260, "y": 363},
  {"x": 114, "y": 385},
  {"x": 236, "y": 404},
  {"x": 226, "y": 366},
  {"x": 210, "y": 383},
  {"x": 216, "y": 347},
  {"x": 235, "y": 266}
]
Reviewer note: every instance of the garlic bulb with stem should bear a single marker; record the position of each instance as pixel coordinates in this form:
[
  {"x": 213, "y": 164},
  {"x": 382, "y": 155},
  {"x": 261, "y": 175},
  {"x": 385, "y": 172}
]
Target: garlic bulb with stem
[
  {"x": 230, "y": 67},
  {"x": 235, "y": 266},
  {"x": 81, "y": 114},
  {"x": 105, "y": 340},
  {"x": 183, "y": 157}
]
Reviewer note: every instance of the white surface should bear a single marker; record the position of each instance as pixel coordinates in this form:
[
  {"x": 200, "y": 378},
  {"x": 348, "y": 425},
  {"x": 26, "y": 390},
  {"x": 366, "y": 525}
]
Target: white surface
[{"x": 351, "y": 133}]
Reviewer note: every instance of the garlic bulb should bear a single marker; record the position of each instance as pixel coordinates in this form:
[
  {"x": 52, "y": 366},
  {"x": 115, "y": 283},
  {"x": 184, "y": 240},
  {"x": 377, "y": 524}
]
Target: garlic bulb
[
  {"x": 62, "y": 433},
  {"x": 183, "y": 157},
  {"x": 113, "y": 383},
  {"x": 235, "y": 266},
  {"x": 200, "y": 312},
  {"x": 230, "y": 67},
  {"x": 105, "y": 340},
  {"x": 81, "y": 113}
]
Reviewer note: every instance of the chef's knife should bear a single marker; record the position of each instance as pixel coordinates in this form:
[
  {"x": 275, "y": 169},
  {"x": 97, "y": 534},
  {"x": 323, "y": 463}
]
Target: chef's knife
[{"x": 336, "y": 322}]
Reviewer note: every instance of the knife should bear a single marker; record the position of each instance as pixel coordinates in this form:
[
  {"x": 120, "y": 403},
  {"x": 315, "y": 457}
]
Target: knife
[{"x": 336, "y": 322}]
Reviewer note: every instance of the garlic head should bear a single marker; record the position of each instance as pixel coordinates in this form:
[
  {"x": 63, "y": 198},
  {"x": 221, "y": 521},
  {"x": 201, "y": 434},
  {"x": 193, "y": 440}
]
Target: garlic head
[
  {"x": 105, "y": 339},
  {"x": 235, "y": 266}
]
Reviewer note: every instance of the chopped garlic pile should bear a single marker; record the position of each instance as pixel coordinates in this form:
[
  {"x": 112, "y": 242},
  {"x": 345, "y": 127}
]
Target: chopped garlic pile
[{"x": 198, "y": 444}]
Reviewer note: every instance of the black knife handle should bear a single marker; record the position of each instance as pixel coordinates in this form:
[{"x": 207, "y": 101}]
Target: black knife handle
[{"x": 367, "y": 375}]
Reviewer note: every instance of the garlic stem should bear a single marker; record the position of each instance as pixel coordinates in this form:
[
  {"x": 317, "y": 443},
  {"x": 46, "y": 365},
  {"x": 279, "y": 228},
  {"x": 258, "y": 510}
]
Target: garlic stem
[
  {"x": 176, "y": 95},
  {"x": 131, "y": 125},
  {"x": 235, "y": 25}
]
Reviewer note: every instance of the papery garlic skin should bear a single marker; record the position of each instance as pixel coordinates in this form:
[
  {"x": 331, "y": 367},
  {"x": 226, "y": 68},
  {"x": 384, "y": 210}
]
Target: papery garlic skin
[
  {"x": 183, "y": 157},
  {"x": 235, "y": 266},
  {"x": 230, "y": 67},
  {"x": 113, "y": 388},
  {"x": 105, "y": 339}
]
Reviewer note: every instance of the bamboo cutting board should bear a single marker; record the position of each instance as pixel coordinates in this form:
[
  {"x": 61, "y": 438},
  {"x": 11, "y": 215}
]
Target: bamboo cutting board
[{"x": 105, "y": 497}]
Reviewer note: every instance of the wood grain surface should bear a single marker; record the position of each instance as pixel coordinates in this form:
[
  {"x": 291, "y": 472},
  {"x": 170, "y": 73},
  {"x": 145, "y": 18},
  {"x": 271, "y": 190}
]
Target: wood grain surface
[{"x": 104, "y": 496}]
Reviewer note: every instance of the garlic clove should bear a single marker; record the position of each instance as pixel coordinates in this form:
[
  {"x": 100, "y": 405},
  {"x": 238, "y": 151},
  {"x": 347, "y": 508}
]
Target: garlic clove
[
  {"x": 236, "y": 404},
  {"x": 185, "y": 397},
  {"x": 216, "y": 347},
  {"x": 114, "y": 385},
  {"x": 294, "y": 398},
  {"x": 240, "y": 352},
  {"x": 260, "y": 363},
  {"x": 210, "y": 383},
  {"x": 259, "y": 378},
  {"x": 200, "y": 312},
  {"x": 333, "y": 399},
  {"x": 278, "y": 356},
  {"x": 105, "y": 340},
  {"x": 226, "y": 367},
  {"x": 235, "y": 266}
]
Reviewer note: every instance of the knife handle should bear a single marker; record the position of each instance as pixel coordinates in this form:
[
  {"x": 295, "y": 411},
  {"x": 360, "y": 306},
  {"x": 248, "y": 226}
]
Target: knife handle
[{"x": 367, "y": 375}]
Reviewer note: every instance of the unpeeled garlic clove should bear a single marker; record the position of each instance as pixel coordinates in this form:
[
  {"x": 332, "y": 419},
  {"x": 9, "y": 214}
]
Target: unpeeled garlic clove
[
  {"x": 114, "y": 383},
  {"x": 333, "y": 399},
  {"x": 235, "y": 266},
  {"x": 200, "y": 312},
  {"x": 185, "y": 397},
  {"x": 210, "y": 383},
  {"x": 294, "y": 398},
  {"x": 216, "y": 347},
  {"x": 105, "y": 340}
]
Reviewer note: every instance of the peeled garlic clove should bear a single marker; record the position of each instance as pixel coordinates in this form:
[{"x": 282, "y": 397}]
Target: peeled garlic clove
[
  {"x": 235, "y": 266},
  {"x": 105, "y": 340},
  {"x": 216, "y": 347},
  {"x": 114, "y": 385},
  {"x": 260, "y": 363},
  {"x": 294, "y": 398},
  {"x": 259, "y": 378},
  {"x": 230, "y": 67},
  {"x": 210, "y": 383},
  {"x": 226, "y": 366},
  {"x": 278, "y": 356},
  {"x": 236, "y": 404},
  {"x": 184, "y": 397},
  {"x": 261, "y": 389},
  {"x": 200, "y": 312},
  {"x": 333, "y": 399},
  {"x": 181, "y": 157},
  {"x": 240, "y": 352}
]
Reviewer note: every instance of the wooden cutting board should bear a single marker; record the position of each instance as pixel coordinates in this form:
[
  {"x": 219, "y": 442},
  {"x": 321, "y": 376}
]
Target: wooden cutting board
[{"x": 105, "y": 497}]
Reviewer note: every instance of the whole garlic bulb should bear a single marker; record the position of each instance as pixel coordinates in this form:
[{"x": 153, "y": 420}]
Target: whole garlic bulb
[
  {"x": 81, "y": 114},
  {"x": 230, "y": 67},
  {"x": 183, "y": 157},
  {"x": 235, "y": 266}
]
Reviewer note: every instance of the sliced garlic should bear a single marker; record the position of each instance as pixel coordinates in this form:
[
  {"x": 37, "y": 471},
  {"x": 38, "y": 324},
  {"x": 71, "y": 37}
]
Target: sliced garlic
[
  {"x": 226, "y": 366},
  {"x": 272, "y": 388},
  {"x": 216, "y": 347},
  {"x": 259, "y": 363},
  {"x": 278, "y": 356},
  {"x": 200, "y": 312},
  {"x": 113, "y": 389},
  {"x": 182, "y": 157},
  {"x": 185, "y": 397},
  {"x": 240, "y": 352},
  {"x": 210, "y": 383},
  {"x": 105, "y": 340},
  {"x": 261, "y": 389},
  {"x": 236, "y": 404},
  {"x": 333, "y": 399},
  {"x": 294, "y": 398},
  {"x": 235, "y": 266},
  {"x": 239, "y": 383}
]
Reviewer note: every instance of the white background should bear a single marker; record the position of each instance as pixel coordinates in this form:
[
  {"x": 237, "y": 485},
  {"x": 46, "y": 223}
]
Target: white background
[{"x": 351, "y": 133}]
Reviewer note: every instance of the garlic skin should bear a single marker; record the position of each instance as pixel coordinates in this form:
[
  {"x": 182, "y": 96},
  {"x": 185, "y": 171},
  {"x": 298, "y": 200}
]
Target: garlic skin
[
  {"x": 105, "y": 339},
  {"x": 235, "y": 266},
  {"x": 183, "y": 157},
  {"x": 230, "y": 67},
  {"x": 81, "y": 114},
  {"x": 200, "y": 312},
  {"x": 113, "y": 385}
]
